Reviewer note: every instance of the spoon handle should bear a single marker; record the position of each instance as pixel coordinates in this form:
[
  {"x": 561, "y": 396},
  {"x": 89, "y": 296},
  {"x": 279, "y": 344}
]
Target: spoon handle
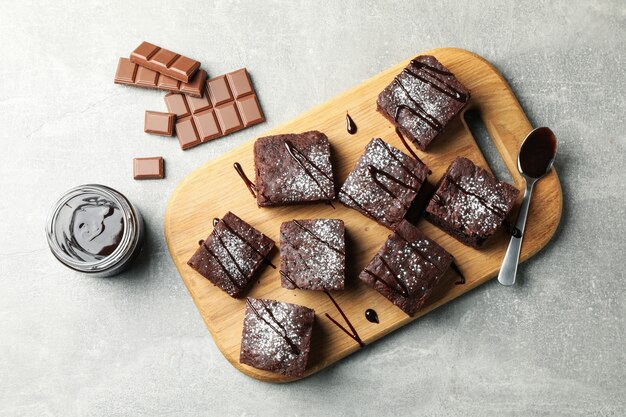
[{"x": 511, "y": 259}]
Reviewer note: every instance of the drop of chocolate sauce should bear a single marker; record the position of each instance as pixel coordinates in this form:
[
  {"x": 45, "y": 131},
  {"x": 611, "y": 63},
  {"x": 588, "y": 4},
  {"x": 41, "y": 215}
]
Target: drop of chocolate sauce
[
  {"x": 350, "y": 125},
  {"x": 371, "y": 316}
]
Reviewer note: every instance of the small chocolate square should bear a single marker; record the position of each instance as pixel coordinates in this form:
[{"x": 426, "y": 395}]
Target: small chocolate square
[
  {"x": 408, "y": 269},
  {"x": 276, "y": 336},
  {"x": 293, "y": 168},
  {"x": 313, "y": 254},
  {"x": 148, "y": 168},
  {"x": 422, "y": 100},
  {"x": 383, "y": 184},
  {"x": 231, "y": 254},
  {"x": 470, "y": 204},
  {"x": 159, "y": 123}
]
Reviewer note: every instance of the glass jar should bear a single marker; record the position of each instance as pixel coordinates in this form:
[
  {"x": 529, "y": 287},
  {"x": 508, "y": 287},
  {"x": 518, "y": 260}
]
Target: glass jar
[{"x": 95, "y": 229}]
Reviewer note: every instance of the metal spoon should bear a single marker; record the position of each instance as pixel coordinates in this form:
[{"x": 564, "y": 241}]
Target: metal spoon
[{"x": 534, "y": 160}]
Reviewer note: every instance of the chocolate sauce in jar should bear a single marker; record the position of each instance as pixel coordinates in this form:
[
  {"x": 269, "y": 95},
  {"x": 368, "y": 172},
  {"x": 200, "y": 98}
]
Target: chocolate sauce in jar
[
  {"x": 350, "y": 125},
  {"x": 94, "y": 229}
]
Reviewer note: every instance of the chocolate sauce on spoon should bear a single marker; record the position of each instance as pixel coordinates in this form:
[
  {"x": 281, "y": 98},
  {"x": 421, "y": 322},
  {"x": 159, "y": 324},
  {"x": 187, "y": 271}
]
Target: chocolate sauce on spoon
[{"x": 535, "y": 159}]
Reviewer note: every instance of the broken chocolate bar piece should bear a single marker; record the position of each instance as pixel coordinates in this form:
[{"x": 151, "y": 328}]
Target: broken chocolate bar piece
[
  {"x": 164, "y": 62},
  {"x": 128, "y": 73},
  {"x": 158, "y": 123},
  {"x": 229, "y": 104},
  {"x": 148, "y": 168}
]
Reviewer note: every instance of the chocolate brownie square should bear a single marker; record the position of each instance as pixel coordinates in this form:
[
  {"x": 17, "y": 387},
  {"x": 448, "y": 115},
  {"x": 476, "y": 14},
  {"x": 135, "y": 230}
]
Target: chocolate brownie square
[
  {"x": 384, "y": 183},
  {"x": 313, "y": 254},
  {"x": 231, "y": 254},
  {"x": 293, "y": 168},
  {"x": 276, "y": 336},
  {"x": 422, "y": 99},
  {"x": 408, "y": 269},
  {"x": 470, "y": 204}
]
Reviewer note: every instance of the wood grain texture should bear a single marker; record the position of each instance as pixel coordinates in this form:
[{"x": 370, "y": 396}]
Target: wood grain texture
[{"x": 215, "y": 188}]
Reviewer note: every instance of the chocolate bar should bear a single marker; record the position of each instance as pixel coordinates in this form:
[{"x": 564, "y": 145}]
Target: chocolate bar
[
  {"x": 148, "y": 168},
  {"x": 158, "y": 123},
  {"x": 132, "y": 74},
  {"x": 164, "y": 62},
  {"x": 228, "y": 105}
]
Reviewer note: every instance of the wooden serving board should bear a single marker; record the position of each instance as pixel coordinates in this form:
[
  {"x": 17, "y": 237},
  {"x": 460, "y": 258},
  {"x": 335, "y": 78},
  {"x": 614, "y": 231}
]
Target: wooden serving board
[{"x": 215, "y": 188}]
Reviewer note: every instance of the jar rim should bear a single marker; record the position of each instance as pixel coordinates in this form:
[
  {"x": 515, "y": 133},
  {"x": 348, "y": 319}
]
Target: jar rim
[{"x": 120, "y": 253}]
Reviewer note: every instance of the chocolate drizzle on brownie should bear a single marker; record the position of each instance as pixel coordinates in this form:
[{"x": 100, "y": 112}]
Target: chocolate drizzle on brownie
[
  {"x": 352, "y": 333},
  {"x": 456, "y": 269},
  {"x": 275, "y": 325},
  {"x": 215, "y": 221},
  {"x": 419, "y": 111},
  {"x": 408, "y": 148},
  {"x": 231, "y": 230},
  {"x": 296, "y": 155},
  {"x": 350, "y": 125},
  {"x": 411, "y": 246},
  {"x": 375, "y": 171},
  {"x": 402, "y": 290},
  {"x": 498, "y": 212},
  {"x": 219, "y": 261},
  {"x": 432, "y": 72},
  {"x": 317, "y": 237},
  {"x": 246, "y": 180}
]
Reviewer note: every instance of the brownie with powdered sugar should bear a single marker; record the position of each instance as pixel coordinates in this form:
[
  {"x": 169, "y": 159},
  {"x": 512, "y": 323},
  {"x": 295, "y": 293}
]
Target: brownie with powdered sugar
[
  {"x": 231, "y": 255},
  {"x": 384, "y": 183},
  {"x": 293, "y": 168},
  {"x": 409, "y": 269},
  {"x": 470, "y": 204},
  {"x": 313, "y": 254},
  {"x": 276, "y": 336},
  {"x": 422, "y": 100}
]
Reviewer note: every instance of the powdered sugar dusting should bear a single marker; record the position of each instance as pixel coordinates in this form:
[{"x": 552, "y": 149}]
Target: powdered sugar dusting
[{"x": 313, "y": 253}]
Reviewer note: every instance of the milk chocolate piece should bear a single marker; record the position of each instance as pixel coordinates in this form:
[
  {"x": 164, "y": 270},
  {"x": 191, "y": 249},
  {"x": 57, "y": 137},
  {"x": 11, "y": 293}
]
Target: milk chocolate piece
[
  {"x": 228, "y": 105},
  {"x": 164, "y": 62},
  {"x": 159, "y": 123},
  {"x": 132, "y": 74},
  {"x": 148, "y": 168}
]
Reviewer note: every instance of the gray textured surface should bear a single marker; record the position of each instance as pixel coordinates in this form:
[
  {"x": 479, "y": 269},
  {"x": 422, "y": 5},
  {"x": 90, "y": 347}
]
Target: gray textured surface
[{"x": 135, "y": 345}]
